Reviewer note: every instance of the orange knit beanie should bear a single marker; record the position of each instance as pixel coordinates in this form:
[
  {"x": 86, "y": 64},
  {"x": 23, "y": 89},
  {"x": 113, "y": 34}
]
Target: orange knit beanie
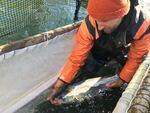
[{"x": 108, "y": 9}]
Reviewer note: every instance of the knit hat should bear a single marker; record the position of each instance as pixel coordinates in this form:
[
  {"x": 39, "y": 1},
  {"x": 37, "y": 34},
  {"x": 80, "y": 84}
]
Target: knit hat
[{"x": 108, "y": 9}]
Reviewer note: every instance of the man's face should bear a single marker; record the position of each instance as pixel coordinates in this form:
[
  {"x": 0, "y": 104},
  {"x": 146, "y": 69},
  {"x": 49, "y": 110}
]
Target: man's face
[{"x": 108, "y": 26}]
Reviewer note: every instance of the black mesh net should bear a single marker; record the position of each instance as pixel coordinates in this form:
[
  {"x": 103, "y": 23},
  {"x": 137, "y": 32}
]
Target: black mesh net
[
  {"x": 23, "y": 18},
  {"x": 16, "y": 14}
]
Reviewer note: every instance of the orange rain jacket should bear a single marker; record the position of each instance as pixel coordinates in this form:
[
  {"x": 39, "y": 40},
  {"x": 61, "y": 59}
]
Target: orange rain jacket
[{"x": 84, "y": 42}]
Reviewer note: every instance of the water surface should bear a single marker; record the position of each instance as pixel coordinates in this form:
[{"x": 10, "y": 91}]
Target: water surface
[{"x": 20, "y": 19}]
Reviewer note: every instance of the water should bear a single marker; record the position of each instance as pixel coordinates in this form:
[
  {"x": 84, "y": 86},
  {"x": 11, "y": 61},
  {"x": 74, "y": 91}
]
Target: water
[
  {"x": 89, "y": 99},
  {"x": 20, "y": 19},
  {"x": 31, "y": 106},
  {"x": 96, "y": 100},
  {"x": 102, "y": 103}
]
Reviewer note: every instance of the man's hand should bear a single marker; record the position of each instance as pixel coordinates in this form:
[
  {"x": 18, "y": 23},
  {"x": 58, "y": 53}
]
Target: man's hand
[
  {"x": 116, "y": 83},
  {"x": 55, "y": 89}
]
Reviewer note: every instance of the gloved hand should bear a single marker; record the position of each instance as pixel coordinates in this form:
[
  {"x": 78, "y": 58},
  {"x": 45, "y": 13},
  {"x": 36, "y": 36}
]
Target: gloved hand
[
  {"x": 55, "y": 89},
  {"x": 116, "y": 83}
]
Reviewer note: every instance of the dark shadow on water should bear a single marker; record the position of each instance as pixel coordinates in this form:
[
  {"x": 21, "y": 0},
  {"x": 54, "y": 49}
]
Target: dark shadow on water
[{"x": 103, "y": 102}]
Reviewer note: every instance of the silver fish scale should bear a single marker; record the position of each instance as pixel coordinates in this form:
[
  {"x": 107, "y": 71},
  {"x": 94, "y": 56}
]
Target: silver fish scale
[{"x": 91, "y": 93}]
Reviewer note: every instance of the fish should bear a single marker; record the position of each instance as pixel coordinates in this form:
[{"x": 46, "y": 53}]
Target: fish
[
  {"x": 91, "y": 87},
  {"x": 87, "y": 93},
  {"x": 85, "y": 89},
  {"x": 90, "y": 96}
]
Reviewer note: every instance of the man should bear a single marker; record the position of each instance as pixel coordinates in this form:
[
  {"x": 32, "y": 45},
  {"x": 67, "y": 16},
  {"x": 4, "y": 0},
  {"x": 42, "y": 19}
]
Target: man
[{"x": 107, "y": 32}]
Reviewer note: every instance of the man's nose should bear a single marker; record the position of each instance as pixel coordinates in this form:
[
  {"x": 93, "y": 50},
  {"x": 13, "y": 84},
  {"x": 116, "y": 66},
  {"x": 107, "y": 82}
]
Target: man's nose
[{"x": 100, "y": 27}]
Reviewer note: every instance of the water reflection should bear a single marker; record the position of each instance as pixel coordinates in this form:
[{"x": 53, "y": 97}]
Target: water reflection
[{"x": 19, "y": 19}]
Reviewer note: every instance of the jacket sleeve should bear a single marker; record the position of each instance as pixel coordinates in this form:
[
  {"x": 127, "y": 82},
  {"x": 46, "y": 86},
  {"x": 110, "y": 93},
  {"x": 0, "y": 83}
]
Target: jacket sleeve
[
  {"x": 138, "y": 50},
  {"x": 80, "y": 52}
]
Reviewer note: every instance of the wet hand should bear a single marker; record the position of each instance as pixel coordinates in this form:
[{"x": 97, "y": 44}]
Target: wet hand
[
  {"x": 51, "y": 98},
  {"x": 55, "y": 89},
  {"x": 116, "y": 83}
]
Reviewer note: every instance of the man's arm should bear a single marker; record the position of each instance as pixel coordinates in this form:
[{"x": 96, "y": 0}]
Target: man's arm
[
  {"x": 135, "y": 56},
  {"x": 80, "y": 52}
]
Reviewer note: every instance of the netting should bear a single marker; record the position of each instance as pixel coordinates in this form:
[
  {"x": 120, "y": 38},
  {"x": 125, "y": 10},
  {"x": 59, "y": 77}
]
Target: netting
[
  {"x": 16, "y": 14},
  {"x": 23, "y": 18}
]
